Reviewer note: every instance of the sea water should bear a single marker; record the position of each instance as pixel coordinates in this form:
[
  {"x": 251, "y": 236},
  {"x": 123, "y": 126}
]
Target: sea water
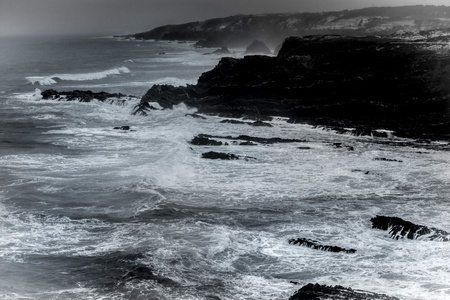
[{"x": 89, "y": 212}]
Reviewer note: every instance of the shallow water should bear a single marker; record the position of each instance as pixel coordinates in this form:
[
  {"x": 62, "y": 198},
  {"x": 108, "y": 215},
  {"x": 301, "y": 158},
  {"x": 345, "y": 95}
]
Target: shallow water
[{"x": 90, "y": 212}]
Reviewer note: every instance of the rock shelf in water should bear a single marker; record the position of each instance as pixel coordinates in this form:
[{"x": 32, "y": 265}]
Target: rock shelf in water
[
  {"x": 399, "y": 229},
  {"x": 324, "y": 292}
]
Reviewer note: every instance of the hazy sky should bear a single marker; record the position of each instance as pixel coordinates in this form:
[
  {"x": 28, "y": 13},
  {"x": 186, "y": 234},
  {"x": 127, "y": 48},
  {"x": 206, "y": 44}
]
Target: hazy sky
[{"x": 98, "y": 17}]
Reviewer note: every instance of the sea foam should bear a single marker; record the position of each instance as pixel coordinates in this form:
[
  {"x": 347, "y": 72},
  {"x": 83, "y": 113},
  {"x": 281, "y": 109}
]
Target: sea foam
[{"x": 49, "y": 80}]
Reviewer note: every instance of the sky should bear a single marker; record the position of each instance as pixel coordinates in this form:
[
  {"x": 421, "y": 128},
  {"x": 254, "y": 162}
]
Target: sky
[{"x": 106, "y": 17}]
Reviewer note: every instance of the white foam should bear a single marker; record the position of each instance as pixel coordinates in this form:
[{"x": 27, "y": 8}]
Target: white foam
[{"x": 49, "y": 80}]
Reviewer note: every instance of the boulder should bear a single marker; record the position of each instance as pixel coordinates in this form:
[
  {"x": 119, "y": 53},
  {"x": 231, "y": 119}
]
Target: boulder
[{"x": 323, "y": 292}]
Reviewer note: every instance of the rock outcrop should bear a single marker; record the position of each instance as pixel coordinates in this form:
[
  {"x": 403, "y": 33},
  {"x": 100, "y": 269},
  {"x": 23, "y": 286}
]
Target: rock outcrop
[
  {"x": 399, "y": 229},
  {"x": 324, "y": 292},
  {"x": 337, "y": 81},
  {"x": 84, "y": 96},
  {"x": 314, "y": 245}
]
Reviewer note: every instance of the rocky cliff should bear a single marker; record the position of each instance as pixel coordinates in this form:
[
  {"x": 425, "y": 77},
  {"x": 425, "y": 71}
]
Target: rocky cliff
[
  {"x": 241, "y": 30},
  {"x": 343, "y": 81}
]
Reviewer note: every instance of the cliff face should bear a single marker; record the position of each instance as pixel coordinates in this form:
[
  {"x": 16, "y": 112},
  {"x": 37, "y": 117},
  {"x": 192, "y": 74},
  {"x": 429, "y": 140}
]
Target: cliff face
[
  {"x": 331, "y": 80},
  {"x": 241, "y": 30}
]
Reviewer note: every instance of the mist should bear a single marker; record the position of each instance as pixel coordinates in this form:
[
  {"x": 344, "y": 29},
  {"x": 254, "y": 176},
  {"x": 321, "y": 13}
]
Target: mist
[{"x": 106, "y": 17}]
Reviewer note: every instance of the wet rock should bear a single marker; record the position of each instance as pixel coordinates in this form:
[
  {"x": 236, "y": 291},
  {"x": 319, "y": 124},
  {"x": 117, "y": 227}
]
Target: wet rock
[
  {"x": 202, "y": 140},
  {"x": 387, "y": 159},
  {"x": 143, "y": 272},
  {"x": 323, "y": 292},
  {"x": 219, "y": 155},
  {"x": 142, "y": 109},
  {"x": 233, "y": 122},
  {"x": 399, "y": 229},
  {"x": 304, "y": 148},
  {"x": 257, "y": 47},
  {"x": 248, "y": 143},
  {"x": 82, "y": 96},
  {"x": 314, "y": 245},
  {"x": 195, "y": 116},
  {"x": 257, "y": 139},
  {"x": 122, "y": 127}
]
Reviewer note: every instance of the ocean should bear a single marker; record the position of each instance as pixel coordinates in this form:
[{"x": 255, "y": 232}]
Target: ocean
[{"x": 90, "y": 212}]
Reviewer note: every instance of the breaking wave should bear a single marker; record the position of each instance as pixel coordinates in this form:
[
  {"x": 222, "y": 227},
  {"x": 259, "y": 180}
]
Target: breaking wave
[{"x": 49, "y": 80}]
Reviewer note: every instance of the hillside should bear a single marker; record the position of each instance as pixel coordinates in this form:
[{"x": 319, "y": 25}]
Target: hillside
[{"x": 240, "y": 30}]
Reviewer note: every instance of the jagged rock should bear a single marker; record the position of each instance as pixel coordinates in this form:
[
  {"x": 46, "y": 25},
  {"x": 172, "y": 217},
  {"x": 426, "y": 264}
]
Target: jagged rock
[
  {"x": 399, "y": 228},
  {"x": 202, "y": 140},
  {"x": 219, "y": 155},
  {"x": 142, "y": 109},
  {"x": 257, "y": 47},
  {"x": 324, "y": 292},
  {"x": 82, "y": 96},
  {"x": 356, "y": 82},
  {"x": 313, "y": 244}
]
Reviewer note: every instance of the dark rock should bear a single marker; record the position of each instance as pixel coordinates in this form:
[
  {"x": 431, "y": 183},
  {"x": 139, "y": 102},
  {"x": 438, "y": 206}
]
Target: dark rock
[
  {"x": 83, "y": 96},
  {"x": 219, "y": 155},
  {"x": 248, "y": 143},
  {"x": 304, "y": 148},
  {"x": 387, "y": 159},
  {"x": 122, "y": 127},
  {"x": 142, "y": 109},
  {"x": 399, "y": 228},
  {"x": 201, "y": 140},
  {"x": 256, "y": 139},
  {"x": 313, "y": 244},
  {"x": 324, "y": 292},
  {"x": 233, "y": 121},
  {"x": 341, "y": 145},
  {"x": 257, "y": 47},
  {"x": 195, "y": 116}
]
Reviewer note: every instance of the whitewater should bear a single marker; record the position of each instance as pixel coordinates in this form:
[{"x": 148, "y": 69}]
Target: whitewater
[{"x": 92, "y": 212}]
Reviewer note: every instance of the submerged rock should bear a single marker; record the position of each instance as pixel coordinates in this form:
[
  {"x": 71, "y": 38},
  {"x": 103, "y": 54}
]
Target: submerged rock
[
  {"x": 122, "y": 127},
  {"x": 323, "y": 292},
  {"x": 314, "y": 245},
  {"x": 399, "y": 229},
  {"x": 222, "y": 51},
  {"x": 202, "y": 140},
  {"x": 219, "y": 155}
]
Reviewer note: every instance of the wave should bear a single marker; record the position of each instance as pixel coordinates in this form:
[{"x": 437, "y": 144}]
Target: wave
[{"x": 49, "y": 80}]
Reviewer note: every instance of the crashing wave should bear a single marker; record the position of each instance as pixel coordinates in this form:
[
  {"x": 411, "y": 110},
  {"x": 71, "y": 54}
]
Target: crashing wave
[{"x": 49, "y": 80}]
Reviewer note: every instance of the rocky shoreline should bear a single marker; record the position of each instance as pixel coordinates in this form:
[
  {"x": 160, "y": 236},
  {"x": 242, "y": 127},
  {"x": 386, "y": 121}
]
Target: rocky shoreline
[{"x": 366, "y": 83}]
